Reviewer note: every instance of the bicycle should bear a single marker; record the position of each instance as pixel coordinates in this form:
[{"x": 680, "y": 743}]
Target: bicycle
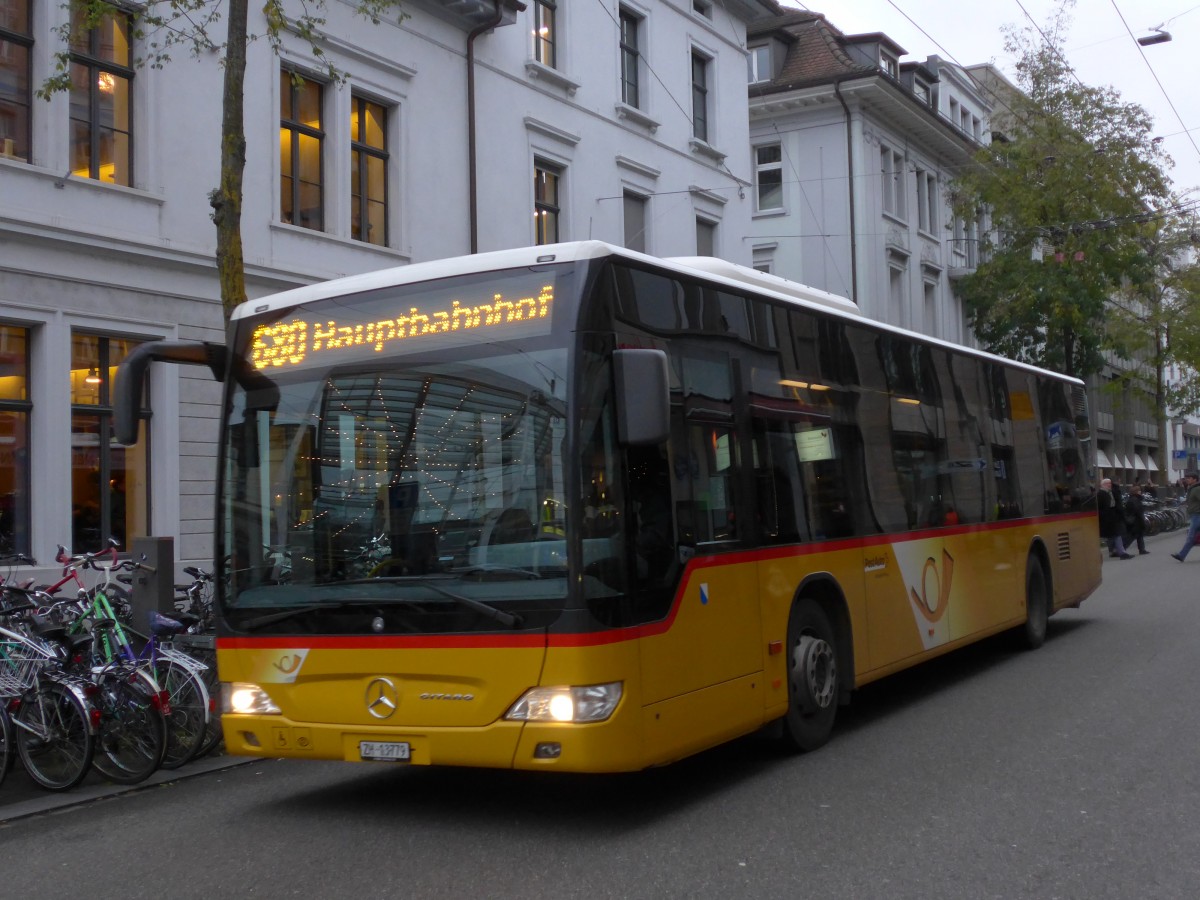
[
  {"x": 134, "y": 707},
  {"x": 52, "y": 723},
  {"x": 189, "y": 706}
]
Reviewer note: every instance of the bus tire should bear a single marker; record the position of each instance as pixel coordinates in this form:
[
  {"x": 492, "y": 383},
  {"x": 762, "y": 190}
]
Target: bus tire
[
  {"x": 1037, "y": 604},
  {"x": 812, "y": 677}
]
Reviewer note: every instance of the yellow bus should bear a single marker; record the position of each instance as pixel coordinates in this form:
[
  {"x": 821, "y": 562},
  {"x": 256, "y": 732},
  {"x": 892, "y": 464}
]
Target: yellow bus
[{"x": 572, "y": 507}]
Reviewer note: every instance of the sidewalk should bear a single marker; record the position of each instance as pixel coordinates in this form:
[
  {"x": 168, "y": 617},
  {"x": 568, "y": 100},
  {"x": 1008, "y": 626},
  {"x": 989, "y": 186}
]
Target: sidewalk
[{"x": 20, "y": 797}]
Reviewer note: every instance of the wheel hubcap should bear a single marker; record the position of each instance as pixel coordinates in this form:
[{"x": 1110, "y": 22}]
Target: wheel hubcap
[{"x": 814, "y": 674}]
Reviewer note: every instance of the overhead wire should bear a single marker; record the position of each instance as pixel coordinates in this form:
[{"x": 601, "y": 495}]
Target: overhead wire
[{"x": 1157, "y": 81}]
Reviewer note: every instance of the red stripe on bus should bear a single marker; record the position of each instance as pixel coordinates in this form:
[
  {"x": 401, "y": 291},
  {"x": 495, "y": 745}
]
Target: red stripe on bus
[{"x": 617, "y": 635}]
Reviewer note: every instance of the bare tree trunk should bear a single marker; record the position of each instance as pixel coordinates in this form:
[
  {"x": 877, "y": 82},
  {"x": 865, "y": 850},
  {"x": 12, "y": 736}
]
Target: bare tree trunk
[{"x": 226, "y": 200}]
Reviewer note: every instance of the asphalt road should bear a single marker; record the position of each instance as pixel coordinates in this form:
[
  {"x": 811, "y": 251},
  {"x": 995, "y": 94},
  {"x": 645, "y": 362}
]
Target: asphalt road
[{"x": 1066, "y": 772}]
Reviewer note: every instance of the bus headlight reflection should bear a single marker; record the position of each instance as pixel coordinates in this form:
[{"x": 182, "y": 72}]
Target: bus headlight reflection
[{"x": 592, "y": 703}]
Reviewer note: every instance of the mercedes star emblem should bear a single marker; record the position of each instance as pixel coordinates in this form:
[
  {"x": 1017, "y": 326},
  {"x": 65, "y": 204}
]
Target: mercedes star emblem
[{"x": 382, "y": 697}]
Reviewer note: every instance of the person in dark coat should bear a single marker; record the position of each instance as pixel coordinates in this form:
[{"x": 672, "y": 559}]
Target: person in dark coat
[
  {"x": 1112, "y": 523},
  {"x": 1135, "y": 518}
]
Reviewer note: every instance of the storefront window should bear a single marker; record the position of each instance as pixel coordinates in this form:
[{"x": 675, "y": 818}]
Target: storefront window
[
  {"x": 14, "y": 439},
  {"x": 110, "y": 483}
]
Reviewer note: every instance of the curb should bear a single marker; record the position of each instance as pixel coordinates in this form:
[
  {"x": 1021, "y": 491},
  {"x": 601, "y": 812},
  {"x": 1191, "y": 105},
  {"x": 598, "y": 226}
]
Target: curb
[{"x": 51, "y": 801}]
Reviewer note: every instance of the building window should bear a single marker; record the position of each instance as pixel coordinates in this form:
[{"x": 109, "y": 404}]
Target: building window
[
  {"x": 16, "y": 43},
  {"x": 927, "y": 201},
  {"x": 110, "y": 487},
  {"x": 545, "y": 33},
  {"x": 547, "y": 181},
  {"x": 101, "y": 98},
  {"x": 921, "y": 92},
  {"x": 931, "y": 313},
  {"x": 702, "y": 8},
  {"x": 635, "y": 221},
  {"x": 889, "y": 64},
  {"x": 706, "y": 237},
  {"x": 699, "y": 97},
  {"x": 892, "y": 170},
  {"x": 898, "y": 296},
  {"x": 630, "y": 60},
  {"x": 368, "y": 172},
  {"x": 758, "y": 60},
  {"x": 768, "y": 175},
  {"x": 15, "y": 408},
  {"x": 301, "y": 151}
]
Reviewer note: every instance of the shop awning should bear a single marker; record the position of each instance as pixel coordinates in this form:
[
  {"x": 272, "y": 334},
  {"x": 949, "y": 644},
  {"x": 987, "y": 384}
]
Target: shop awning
[
  {"x": 1102, "y": 459},
  {"x": 1153, "y": 464},
  {"x": 1140, "y": 462},
  {"x": 1128, "y": 465}
]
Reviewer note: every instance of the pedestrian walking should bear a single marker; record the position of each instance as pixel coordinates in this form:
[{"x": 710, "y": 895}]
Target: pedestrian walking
[
  {"x": 1112, "y": 522},
  {"x": 1192, "y": 506},
  {"x": 1135, "y": 518}
]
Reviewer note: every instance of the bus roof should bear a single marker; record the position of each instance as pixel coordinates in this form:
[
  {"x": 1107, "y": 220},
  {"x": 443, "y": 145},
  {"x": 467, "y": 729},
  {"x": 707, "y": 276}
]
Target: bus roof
[{"x": 709, "y": 268}]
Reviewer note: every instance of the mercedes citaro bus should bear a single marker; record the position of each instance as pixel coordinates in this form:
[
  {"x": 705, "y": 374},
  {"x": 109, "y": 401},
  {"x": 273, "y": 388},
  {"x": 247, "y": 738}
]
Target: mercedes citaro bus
[{"x": 573, "y": 507}]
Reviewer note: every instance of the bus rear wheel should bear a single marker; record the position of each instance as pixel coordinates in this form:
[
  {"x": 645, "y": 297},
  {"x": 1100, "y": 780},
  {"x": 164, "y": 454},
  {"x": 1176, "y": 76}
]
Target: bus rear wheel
[
  {"x": 812, "y": 673},
  {"x": 1037, "y": 604}
]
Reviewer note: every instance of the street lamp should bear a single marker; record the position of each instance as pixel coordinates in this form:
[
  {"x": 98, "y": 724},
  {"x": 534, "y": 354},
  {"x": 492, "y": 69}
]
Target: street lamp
[{"x": 1157, "y": 36}]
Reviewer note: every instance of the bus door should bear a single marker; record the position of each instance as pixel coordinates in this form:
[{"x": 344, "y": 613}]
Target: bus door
[{"x": 701, "y": 665}]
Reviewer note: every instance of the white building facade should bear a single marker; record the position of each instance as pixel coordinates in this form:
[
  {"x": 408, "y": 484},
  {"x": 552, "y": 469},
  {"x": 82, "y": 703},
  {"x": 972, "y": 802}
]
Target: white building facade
[
  {"x": 621, "y": 121},
  {"x": 853, "y": 152}
]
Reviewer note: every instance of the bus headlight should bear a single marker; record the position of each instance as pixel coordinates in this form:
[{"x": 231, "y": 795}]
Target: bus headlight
[
  {"x": 246, "y": 699},
  {"x": 593, "y": 703}
]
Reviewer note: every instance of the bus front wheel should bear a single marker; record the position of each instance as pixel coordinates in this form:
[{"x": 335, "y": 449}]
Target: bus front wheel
[
  {"x": 812, "y": 675},
  {"x": 1037, "y": 604}
]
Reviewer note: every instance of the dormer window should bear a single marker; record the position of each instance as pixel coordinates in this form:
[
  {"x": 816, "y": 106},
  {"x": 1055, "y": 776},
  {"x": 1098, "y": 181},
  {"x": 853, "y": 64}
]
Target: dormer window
[
  {"x": 922, "y": 92},
  {"x": 758, "y": 60},
  {"x": 889, "y": 64}
]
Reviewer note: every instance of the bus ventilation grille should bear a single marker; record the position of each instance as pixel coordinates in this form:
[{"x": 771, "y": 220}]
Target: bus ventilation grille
[{"x": 1064, "y": 546}]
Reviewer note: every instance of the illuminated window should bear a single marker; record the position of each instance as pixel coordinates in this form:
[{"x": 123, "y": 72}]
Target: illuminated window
[
  {"x": 545, "y": 35},
  {"x": 368, "y": 174},
  {"x": 15, "y": 409},
  {"x": 768, "y": 174},
  {"x": 546, "y": 186},
  {"x": 699, "y": 97},
  {"x": 101, "y": 97},
  {"x": 630, "y": 60},
  {"x": 16, "y": 42},
  {"x": 301, "y": 151},
  {"x": 110, "y": 488}
]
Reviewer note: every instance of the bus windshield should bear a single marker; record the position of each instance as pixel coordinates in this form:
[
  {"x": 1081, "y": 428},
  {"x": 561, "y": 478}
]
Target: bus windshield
[{"x": 399, "y": 491}]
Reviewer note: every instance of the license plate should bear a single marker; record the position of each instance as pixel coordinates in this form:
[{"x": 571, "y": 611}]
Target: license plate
[{"x": 385, "y": 750}]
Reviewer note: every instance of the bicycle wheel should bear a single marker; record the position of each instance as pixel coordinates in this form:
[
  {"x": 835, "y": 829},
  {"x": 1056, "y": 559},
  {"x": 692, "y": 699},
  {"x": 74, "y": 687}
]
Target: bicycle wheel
[
  {"x": 7, "y": 748},
  {"x": 188, "y": 717},
  {"x": 213, "y": 735},
  {"x": 133, "y": 734},
  {"x": 53, "y": 736}
]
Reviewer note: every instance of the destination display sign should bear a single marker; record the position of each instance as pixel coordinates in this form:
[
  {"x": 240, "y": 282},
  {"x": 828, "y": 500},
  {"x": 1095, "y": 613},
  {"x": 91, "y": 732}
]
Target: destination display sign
[{"x": 342, "y": 329}]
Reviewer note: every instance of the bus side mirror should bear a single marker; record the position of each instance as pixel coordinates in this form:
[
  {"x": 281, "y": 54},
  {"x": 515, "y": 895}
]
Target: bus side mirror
[{"x": 643, "y": 397}]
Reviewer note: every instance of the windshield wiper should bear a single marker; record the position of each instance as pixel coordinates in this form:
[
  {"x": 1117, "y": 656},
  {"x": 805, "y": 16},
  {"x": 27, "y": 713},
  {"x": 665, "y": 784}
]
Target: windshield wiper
[
  {"x": 512, "y": 620},
  {"x": 282, "y": 615}
]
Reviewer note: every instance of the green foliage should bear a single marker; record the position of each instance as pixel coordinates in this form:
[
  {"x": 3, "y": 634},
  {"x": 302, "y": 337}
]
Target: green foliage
[{"x": 1068, "y": 199}]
